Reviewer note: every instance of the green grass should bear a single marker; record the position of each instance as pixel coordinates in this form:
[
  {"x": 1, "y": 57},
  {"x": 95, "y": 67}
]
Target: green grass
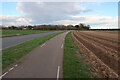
[
  {"x": 19, "y": 32},
  {"x": 74, "y": 66},
  {"x": 13, "y": 54}
]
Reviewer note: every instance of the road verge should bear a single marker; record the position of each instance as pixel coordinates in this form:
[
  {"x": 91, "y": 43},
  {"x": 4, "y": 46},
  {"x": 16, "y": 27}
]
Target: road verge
[
  {"x": 75, "y": 66},
  {"x": 11, "y": 33},
  {"x": 13, "y": 54}
]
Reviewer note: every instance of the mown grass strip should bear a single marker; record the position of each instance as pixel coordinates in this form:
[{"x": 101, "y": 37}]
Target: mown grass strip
[
  {"x": 20, "y": 32},
  {"x": 74, "y": 66},
  {"x": 12, "y": 54}
]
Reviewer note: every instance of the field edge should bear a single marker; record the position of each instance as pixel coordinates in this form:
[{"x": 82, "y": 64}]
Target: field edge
[{"x": 74, "y": 66}]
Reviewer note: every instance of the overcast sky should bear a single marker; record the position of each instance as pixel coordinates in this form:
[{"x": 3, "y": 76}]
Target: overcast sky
[{"x": 98, "y": 15}]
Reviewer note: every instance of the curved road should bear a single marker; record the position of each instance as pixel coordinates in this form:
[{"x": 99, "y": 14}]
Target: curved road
[
  {"x": 12, "y": 41},
  {"x": 45, "y": 61}
]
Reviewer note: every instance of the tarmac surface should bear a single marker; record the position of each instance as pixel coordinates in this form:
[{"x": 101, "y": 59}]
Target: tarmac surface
[
  {"x": 12, "y": 41},
  {"x": 45, "y": 61}
]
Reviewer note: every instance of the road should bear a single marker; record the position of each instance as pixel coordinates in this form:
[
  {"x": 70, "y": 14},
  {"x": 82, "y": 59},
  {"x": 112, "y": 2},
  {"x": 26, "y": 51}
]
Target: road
[
  {"x": 12, "y": 41},
  {"x": 45, "y": 61}
]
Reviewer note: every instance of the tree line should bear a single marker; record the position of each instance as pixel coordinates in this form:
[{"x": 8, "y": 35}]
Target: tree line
[{"x": 49, "y": 27}]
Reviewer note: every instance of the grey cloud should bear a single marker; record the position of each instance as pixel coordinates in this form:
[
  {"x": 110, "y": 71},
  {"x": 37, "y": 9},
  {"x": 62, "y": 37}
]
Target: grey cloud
[{"x": 48, "y": 12}]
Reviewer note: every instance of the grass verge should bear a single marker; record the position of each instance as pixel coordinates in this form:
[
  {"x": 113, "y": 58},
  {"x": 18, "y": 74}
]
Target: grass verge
[
  {"x": 21, "y": 32},
  {"x": 74, "y": 66},
  {"x": 12, "y": 54}
]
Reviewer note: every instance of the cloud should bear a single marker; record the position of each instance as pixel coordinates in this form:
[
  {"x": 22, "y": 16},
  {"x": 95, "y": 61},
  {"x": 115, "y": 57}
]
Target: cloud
[
  {"x": 95, "y": 21},
  {"x": 14, "y": 20},
  {"x": 47, "y": 12},
  {"x": 106, "y": 26},
  {"x": 57, "y": 13}
]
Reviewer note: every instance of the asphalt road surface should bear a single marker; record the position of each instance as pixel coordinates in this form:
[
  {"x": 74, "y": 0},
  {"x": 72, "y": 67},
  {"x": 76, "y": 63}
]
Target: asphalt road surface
[
  {"x": 45, "y": 61},
  {"x": 12, "y": 41}
]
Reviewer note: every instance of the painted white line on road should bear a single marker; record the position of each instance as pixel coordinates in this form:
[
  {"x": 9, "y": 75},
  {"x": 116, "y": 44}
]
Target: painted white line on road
[
  {"x": 16, "y": 65},
  {"x": 11, "y": 69},
  {"x": 3, "y": 75},
  {"x": 62, "y": 46},
  {"x": 42, "y": 45},
  {"x": 58, "y": 72}
]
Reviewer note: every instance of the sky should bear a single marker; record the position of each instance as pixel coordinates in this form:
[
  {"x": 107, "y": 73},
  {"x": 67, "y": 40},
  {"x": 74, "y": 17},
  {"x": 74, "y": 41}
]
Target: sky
[{"x": 99, "y": 15}]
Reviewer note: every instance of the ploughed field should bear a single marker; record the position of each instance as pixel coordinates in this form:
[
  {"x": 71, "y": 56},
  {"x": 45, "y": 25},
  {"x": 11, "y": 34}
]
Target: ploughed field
[{"x": 103, "y": 45}]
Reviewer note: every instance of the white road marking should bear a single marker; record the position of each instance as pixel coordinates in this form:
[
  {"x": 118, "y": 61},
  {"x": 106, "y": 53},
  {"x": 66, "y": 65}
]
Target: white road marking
[
  {"x": 11, "y": 68},
  {"x": 58, "y": 72},
  {"x": 16, "y": 65},
  {"x": 9, "y": 71},
  {"x": 62, "y": 46},
  {"x": 42, "y": 45},
  {"x": 3, "y": 75}
]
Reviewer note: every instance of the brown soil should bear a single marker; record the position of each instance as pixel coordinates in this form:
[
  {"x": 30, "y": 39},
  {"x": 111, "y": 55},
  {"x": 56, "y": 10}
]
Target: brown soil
[{"x": 104, "y": 46}]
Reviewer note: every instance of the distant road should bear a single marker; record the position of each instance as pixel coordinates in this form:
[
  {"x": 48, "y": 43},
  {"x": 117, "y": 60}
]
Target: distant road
[
  {"x": 12, "y": 41},
  {"x": 45, "y": 61}
]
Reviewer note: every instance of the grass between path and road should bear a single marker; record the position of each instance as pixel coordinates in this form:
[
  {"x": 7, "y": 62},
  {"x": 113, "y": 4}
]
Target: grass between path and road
[
  {"x": 21, "y": 32},
  {"x": 74, "y": 65},
  {"x": 13, "y": 54}
]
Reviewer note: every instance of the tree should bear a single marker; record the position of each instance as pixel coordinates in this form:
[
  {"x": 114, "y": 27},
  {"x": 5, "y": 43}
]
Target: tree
[
  {"x": 88, "y": 26},
  {"x": 77, "y": 26},
  {"x": 82, "y": 26},
  {"x": 29, "y": 27}
]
